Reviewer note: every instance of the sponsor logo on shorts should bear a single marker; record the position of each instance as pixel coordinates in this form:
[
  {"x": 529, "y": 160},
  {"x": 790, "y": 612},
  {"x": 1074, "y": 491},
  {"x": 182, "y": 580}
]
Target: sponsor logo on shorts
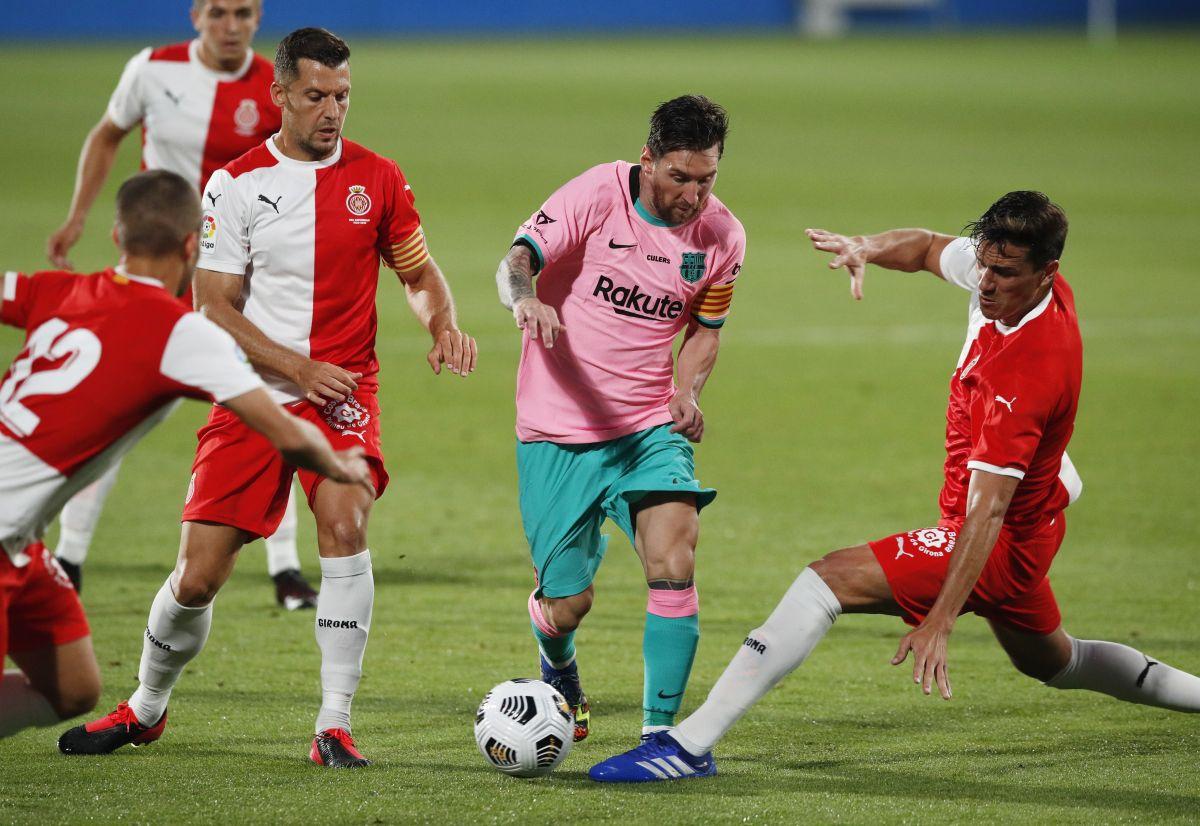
[
  {"x": 155, "y": 641},
  {"x": 755, "y": 645},
  {"x": 934, "y": 542},
  {"x": 632, "y": 302},
  {"x": 50, "y": 562},
  {"x": 346, "y": 417},
  {"x": 328, "y": 623}
]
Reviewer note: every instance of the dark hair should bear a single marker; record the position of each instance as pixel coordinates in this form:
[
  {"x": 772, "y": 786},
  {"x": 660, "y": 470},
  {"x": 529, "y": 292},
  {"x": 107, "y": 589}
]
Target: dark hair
[
  {"x": 1025, "y": 218},
  {"x": 320, "y": 45},
  {"x": 156, "y": 211},
  {"x": 690, "y": 122}
]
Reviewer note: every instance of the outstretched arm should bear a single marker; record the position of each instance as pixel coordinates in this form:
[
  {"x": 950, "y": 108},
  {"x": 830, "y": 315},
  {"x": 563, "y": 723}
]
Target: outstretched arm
[
  {"x": 433, "y": 305},
  {"x": 987, "y": 501},
  {"x": 300, "y": 442},
  {"x": 907, "y": 250},
  {"x": 218, "y": 296},
  {"x": 95, "y": 161},
  {"x": 697, "y": 357},
  {"x": 514, "y": 283}
]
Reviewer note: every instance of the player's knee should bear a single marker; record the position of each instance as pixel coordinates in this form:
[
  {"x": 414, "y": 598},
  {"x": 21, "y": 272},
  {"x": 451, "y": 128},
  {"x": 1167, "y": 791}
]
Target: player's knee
[
  {"x": 347, "y": 535},
  {"x": 840, "y": 577},
  {"x": 567, "y": 612},
  {"x": 76, "y": 699},
  {"x": 195, "y": 590}
]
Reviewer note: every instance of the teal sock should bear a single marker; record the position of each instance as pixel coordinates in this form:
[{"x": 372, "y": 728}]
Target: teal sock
[
  {"x": 559, "y": 651},
  {"x": 668, "y": 647}
]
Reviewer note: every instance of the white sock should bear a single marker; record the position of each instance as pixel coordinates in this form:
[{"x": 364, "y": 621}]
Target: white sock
[
  {"x": 77, "y": 523},
  {"x": 282, "y": 554},
  {"x": 22, "y": 706},
  {"x": 343, "y": 620},
  {"x": 770, "y": 652},
  {"x": 1128, "y": 674},
  {"x": 174, "y": 635}
]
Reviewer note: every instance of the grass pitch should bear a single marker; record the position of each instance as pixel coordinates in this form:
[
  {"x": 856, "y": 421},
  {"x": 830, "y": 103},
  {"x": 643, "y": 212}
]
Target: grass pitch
[{"x": 824, "y": 429}]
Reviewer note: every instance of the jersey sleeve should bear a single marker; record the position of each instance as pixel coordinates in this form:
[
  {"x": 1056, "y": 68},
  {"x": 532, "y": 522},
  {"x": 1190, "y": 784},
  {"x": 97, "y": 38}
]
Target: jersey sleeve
[
  {"x": 711, "y": 305},
  {"x": 958, "y": 264},
  {"x": 224, "y": 231},
  {"x": 126, "y": 107},
  {"x": 567, "y": 217},
  {"x": 204, "y": 358},
  {"x": 1012, "y": 428},
  {"x": 16, "y": 298},
  {"x": 402, "y": 243}
]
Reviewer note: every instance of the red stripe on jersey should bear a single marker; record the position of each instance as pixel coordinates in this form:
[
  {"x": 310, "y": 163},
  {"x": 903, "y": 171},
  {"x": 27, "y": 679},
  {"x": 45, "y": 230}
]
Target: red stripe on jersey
[
  {"x": 243, "y": 116},
  {"x": 175, "y": 53}
]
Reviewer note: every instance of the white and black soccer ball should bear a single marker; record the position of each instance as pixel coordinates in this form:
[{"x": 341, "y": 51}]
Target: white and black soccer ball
[{"x": 524, "y": 728}]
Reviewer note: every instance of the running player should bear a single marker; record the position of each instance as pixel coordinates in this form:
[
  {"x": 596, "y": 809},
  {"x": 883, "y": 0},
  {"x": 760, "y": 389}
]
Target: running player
[
  {"x": 62, "y": 424},
  {"x": 626, "y": 257},
  {"x": 200, "y": 104},
  {"x": 310, "y": 214},
  {"x": 1013, "y": 398}
]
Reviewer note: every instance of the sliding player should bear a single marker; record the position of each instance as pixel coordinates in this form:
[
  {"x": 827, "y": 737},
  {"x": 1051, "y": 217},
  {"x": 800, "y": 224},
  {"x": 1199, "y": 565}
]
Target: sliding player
[
  {"x": 310, "y": 215},
  {"x": 626, "y": 257},
  {"x": 62, "y": 422},
  {"x": 1013, "y": 398},
  {"x": 200, "y": 105}
]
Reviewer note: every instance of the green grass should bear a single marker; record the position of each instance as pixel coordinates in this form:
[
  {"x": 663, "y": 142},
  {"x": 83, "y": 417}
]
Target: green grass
[{"x": 824, "y": 429}]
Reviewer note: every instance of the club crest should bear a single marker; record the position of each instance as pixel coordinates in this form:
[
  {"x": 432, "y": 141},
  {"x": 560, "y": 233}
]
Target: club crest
[
  {"x": 245, "y": 117},
  {"x": 692, "y": 268},
  {"x": 358, "y": 202}
]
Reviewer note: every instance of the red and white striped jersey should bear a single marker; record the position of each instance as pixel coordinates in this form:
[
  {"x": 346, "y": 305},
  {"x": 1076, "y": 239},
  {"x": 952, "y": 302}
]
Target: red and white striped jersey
[
  {"x": 105, "y": 358},
  {"x": 308, "y": 237},
  {"x": 194, "y": 119}
]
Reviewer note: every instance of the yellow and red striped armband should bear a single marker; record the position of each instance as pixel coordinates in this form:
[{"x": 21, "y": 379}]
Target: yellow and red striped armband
[
  {"x": 711, "y": 306},
  {"x": 410, "y": 254}
]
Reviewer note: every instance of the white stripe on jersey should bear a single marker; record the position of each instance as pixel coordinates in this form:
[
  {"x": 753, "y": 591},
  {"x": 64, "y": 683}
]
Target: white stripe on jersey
[
  {"x": 201, "y": 354},
  {"x": 10, "y": 286}
]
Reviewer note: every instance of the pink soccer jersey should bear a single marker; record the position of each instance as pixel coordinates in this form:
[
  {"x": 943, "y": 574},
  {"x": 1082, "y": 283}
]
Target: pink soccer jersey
[
  {"x": 194, "y": 119},
  {"x": 105, "y": 358},
  {"x": 309, "y": 236},
  {"x": 623, "y": 283}
]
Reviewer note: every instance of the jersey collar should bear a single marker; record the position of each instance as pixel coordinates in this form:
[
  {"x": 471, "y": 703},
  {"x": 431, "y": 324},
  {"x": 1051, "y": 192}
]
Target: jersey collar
[
  {"x": 141, "y": 279},
  {"x": 194, "y": 57},
  {"x": 1005, "y": 330},
  {"x": 284, "y": 159}
]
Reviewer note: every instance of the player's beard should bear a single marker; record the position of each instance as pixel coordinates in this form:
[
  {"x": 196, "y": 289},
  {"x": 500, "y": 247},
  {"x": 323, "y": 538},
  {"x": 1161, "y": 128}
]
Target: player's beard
[{"x": 671, "y": 214}]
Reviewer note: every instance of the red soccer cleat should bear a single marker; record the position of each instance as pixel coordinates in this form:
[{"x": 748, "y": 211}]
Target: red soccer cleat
[
  {"x": 334, "y": 748},
  {"x": 119, "y": 727}
]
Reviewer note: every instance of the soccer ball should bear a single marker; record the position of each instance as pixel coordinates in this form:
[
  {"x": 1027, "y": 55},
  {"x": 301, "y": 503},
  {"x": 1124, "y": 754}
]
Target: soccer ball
[{"x": 524, "y": 728}]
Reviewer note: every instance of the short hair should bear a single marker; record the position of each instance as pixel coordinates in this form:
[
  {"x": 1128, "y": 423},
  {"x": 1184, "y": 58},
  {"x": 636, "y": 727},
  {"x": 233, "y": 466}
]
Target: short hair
[
  {"x": 320, "y": 45},
  {"x": 156, "y": 211},
  {"x": 1025, "y": 218},
  {"x": 689, "y": 122},
  {"x": 198, "y": 5}
]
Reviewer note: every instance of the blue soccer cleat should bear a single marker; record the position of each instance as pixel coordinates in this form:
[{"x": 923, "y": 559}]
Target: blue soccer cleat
[
  {"x": 566, "y": 682},
  {"x": 659, "y": 757}
]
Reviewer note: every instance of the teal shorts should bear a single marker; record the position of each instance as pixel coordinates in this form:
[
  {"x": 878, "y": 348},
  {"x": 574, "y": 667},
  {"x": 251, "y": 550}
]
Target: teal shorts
[{"x": 566, "y": 491}]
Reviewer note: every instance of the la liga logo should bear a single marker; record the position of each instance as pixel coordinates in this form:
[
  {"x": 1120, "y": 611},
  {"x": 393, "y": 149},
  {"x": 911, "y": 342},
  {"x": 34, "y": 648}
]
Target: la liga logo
[{"x": 208, "y": 231}]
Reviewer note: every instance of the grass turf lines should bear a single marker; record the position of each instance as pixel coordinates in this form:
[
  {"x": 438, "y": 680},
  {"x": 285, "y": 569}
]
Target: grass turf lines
[{"x": 825, "y": 422}]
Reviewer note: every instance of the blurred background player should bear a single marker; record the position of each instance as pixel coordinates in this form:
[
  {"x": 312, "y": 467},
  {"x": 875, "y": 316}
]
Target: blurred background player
[
  {"x": 626, "y": 256},
  {"x": 308, "y": 323},
  {"x": 200, "y": 104},
  {"x": 1011, "y": 413},
  {"x": 62, "y": 424}
]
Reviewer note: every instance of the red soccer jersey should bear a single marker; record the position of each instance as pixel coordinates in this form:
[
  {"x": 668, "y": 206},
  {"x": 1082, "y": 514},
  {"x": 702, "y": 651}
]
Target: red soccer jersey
[
  {"x": 104, "y": 357},
  {"x": 194, "y": 119},
  {"x": 1012, "y": 403},
  {"x": 312, "y": 233}
]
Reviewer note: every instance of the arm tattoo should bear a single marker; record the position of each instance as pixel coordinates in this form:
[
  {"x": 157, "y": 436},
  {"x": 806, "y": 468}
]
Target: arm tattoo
[{"x": 514, "y": 278}]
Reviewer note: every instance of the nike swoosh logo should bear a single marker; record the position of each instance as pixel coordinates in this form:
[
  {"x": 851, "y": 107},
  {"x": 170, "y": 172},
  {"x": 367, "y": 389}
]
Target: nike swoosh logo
[
  {"x": 662, "y": 696},
  {"x": 612, "y": 245}
]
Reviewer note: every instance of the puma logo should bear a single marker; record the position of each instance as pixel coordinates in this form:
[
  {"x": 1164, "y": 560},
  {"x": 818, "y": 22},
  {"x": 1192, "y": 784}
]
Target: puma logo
[
  {"x": 173, "y": 97},
  {"x": 274, "y": 204},
  {"x": 900, "y": 549},
  {"x": 212, "y": 197},
  {"x": 1145, "y": 672},
  {"x": 1006, "y": 402}
]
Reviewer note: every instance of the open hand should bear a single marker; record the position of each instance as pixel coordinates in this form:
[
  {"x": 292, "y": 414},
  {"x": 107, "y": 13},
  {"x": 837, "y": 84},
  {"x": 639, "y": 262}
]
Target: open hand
[
  {"x": 686, "y": 414},
  {"x": 928, "y": 643},
  {"x": 456, "y": 350},
  {"x": 848, "y": 253},
  {"x": 351, "y": 468},
  {"x": 539, "y": 319}
]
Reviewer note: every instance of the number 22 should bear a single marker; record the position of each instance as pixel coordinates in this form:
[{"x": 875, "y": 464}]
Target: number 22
[{"x": 79, "y": 347}]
